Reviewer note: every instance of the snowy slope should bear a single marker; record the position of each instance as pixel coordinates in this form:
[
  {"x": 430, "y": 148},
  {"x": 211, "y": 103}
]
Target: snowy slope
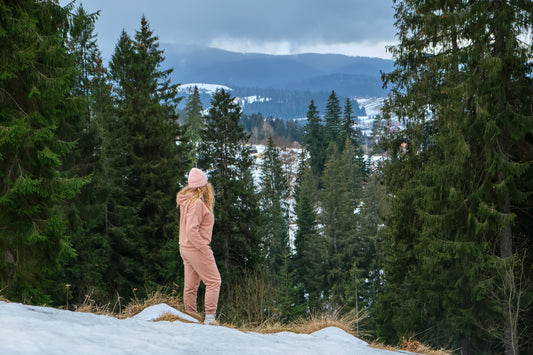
[
  {"x": 372, "y": 106},
  {"x": 41, "y": 330},
  {"x": 202, "y": 87}
]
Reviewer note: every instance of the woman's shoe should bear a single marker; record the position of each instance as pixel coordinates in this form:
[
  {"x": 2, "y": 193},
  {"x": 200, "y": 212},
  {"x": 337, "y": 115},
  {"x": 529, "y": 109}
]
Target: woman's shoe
[{"x": 210, "y": 319}]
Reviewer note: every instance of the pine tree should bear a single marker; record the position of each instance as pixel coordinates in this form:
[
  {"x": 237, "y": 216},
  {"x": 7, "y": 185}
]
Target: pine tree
[
  {"x": 86, "y": 272},
  {"x": 332, "y": 118},
  {"x": 351, "y": 132},
  {"x": 36, "y": 99},
  {"x": 460, "y": 85},
  {"x": 308, "y": 261},
  {"x": 225, "y": 156},
  {"x": 314, "y": 140},
  {"x": 274, "y": 192},
  {"x": 151, "y": 163},
  {"x": 340, "y": 199},
  {"x": 192, "y": 116},
  {"x": 347, "y": 127},
  {"x": 121, "y": 214},
  {"x": 273, "y": 196}
]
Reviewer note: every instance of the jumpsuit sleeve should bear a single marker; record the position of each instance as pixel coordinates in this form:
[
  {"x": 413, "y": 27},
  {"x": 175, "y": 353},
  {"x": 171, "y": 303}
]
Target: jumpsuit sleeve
[{"x": 194, "y": 220}]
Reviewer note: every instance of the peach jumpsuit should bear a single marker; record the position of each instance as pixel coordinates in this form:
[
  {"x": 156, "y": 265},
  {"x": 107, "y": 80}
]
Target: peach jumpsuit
[{"x": 196, "y": 228}]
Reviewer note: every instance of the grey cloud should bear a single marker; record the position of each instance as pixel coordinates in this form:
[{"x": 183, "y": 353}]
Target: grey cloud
[
  {"x": 293, "y": 20},
  {"x": 200, "y": 21}
]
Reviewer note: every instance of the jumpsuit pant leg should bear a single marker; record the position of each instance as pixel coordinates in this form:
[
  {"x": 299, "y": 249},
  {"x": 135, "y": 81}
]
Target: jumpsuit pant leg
[
  {"x": 190, "y": 289},
  {"x": 201, "y": 267}
]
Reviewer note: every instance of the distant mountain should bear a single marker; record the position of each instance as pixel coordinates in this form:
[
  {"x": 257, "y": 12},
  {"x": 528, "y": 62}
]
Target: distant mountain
[{"x": 348, "y": 76}]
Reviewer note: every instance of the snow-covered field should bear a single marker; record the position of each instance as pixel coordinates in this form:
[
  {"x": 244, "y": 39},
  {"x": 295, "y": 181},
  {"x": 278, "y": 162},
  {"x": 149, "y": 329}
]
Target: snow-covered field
[{"x": 43, "y": 330}]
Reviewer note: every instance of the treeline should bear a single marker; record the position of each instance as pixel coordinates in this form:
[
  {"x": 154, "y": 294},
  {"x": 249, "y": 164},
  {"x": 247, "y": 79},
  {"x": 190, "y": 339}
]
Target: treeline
[
  {"x": 285, "y": 103},
  {"x": 279, "y": 103}
]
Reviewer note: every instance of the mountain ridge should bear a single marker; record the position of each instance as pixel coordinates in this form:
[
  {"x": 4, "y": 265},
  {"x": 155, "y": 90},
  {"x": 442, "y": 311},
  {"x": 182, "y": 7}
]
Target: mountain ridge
[{"x": 348, "y": 75}]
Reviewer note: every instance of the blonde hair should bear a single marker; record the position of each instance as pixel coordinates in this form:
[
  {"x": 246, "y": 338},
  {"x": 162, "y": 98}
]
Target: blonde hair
[{"x": 204, "y": 193}]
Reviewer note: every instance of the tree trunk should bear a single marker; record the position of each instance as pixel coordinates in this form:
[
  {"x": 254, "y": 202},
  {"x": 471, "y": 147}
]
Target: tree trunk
[
  {"x": 506, "y": 252},
  {"x": 465, "y": 346}
]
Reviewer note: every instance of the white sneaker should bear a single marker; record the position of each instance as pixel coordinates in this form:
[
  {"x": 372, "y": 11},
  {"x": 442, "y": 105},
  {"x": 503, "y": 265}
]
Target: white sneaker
[{"x": 210, "y": 319}]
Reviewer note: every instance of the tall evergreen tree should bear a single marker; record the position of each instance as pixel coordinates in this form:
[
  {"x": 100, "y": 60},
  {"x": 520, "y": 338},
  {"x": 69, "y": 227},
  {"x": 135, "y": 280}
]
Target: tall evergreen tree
[
  {"x": 273, "y": 196},
  {"x": 86, "y": 272},
  {"x": 308, "y": 260},
  {"x": 351, "y": 132},
  {"x": 274, "y": 193},
  {"x": 462, "y": 78},
  {"x": 121, "y": 215},
  {"x": 152, "y": 163},
  {"x": 36, "y": 88},
  {"x": 225, "y": 156},
  {"x": 332, "y": 121},
  {"x": 347, "y": 129},
  {"x": 340, "y": 200},
  {"x": 192, "y": 117},
  {"x": 314, "y": 140}
]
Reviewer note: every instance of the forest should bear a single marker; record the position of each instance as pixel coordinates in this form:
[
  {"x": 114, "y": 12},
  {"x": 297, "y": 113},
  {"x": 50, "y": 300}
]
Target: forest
[{"x": 433, "y": 241}]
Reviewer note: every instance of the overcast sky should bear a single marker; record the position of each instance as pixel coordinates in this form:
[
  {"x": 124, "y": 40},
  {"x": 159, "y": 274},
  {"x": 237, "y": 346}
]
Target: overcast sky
[{"x": 352, "y": 27}]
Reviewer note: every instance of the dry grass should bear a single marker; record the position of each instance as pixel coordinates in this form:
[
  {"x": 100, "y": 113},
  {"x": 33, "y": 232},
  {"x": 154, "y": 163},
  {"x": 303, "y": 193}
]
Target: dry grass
[
  {"x": 2, "y": 298},
  {"x": 412, "y": 345},
  {"x": 168, "y": 317},
  {"x": 134, "y": 307},
  {"x": 308, "y": 325}
]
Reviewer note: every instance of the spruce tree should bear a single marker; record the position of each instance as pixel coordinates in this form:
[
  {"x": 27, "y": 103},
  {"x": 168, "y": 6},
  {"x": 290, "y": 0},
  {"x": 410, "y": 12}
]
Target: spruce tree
[
  {"x": 273, "y": 196},
  {"x": 121, "y": 215},
  {"x": 314, "y": 140},
  {"x": 86, "y": 272},
  {"x": 351, "y": 132},
  {"x": 347, "y": 126},
  {"x": 308, "y": 260},
  {"x": 152, "y": 164},
  {"x": 462, "y": 78},
  {"x": 340, "y": 200},
  {"x": 192, "y": 117},
  {"x": 332, "y": 121},
  {"x": 225, "y": 156},
  {"x": 36, "y": 87}
]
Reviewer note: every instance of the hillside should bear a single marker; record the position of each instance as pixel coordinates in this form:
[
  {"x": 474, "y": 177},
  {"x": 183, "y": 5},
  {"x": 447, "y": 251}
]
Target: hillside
[{"x": 348, "y": 76}]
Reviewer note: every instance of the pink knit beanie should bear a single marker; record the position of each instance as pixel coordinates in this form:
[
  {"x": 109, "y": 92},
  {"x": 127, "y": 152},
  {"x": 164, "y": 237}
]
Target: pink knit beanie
[{"x": 197, "y": 178}]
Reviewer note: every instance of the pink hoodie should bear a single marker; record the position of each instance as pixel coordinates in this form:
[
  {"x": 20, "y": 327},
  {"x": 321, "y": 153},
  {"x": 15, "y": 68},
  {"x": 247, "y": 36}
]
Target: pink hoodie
[{"x": 196, "y": 224}]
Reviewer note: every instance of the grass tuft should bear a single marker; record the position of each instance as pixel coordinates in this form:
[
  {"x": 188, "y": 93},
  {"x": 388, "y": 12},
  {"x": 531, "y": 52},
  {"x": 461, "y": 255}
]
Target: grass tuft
[{"x": 412, "y": 345}]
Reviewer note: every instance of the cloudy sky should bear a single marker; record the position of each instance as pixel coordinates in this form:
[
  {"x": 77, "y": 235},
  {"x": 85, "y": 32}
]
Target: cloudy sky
[{"x": 352, "y": 27}]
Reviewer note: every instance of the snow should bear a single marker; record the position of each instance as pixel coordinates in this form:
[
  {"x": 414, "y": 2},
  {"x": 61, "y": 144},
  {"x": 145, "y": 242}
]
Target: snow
[
  {"x": 242, "y": 101},
  {"x": 372, "y": 106},
  {"x": 203, "y": 87},
  {"x": 154, "y": 312},
  {"x": 42, "y": 330}
]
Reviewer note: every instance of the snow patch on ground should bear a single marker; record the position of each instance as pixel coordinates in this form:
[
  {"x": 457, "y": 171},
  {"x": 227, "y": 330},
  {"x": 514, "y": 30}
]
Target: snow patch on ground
[
  {"x": 32, "y": 330},
  {"x": 155, "y": 312}
]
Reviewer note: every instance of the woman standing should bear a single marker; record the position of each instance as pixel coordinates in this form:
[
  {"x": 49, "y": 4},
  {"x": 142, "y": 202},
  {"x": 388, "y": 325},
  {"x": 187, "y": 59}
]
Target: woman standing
[{"x": 196, "y": 227}]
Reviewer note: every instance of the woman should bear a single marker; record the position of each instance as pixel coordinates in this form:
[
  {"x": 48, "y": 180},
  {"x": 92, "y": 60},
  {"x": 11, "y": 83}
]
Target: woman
[{"x": 196, "y": 227}]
